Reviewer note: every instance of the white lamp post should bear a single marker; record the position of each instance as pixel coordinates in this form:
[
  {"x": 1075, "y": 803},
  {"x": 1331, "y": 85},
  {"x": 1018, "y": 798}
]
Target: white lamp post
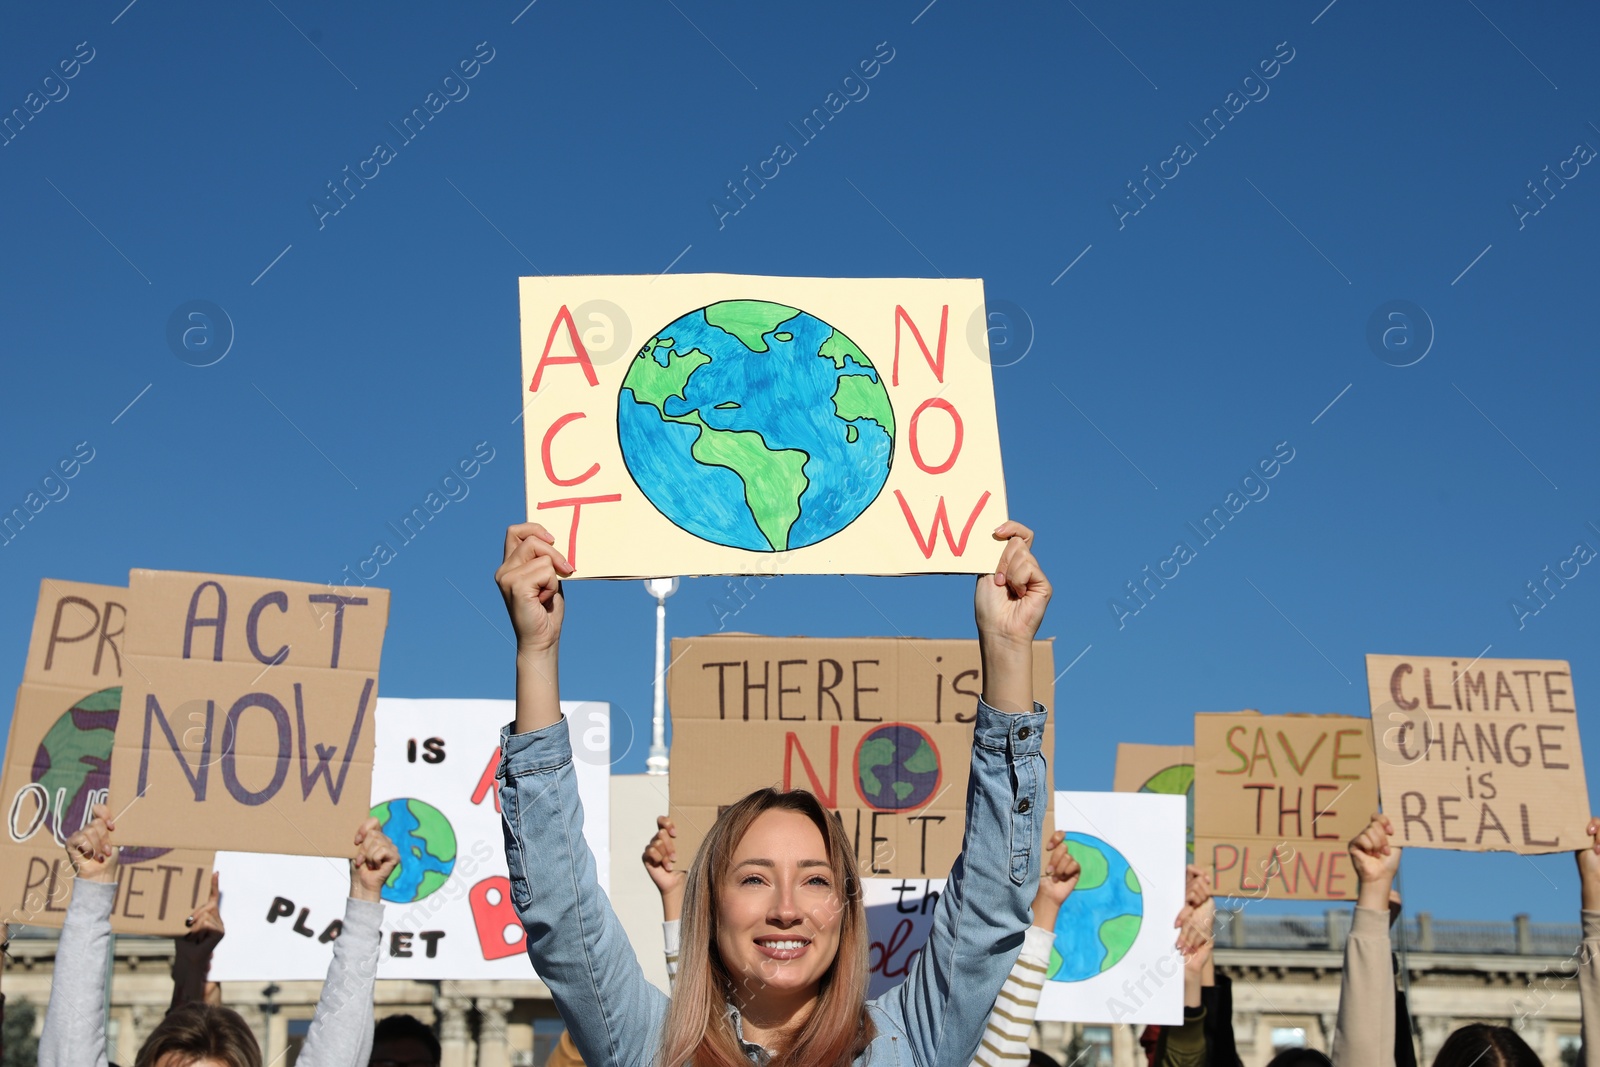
[{"x": 660, "y": 588}]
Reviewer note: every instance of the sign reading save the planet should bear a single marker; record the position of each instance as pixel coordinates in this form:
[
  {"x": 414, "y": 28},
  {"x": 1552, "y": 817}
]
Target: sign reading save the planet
[
  {"x": 1113, "y": 960},
  {"x": 880, "y": 729},
  {"x": 725, "y": 424}
]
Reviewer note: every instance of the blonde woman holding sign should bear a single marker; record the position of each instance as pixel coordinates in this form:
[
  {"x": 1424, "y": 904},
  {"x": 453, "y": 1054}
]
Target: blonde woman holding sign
[{"x": 773, "y": 964}]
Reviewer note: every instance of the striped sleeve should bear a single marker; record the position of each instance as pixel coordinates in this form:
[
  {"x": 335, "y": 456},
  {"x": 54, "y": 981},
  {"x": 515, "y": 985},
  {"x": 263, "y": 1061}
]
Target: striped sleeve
[
  {"x": 669, "y": 937},
  {"x": 1005, "y": 1038}
]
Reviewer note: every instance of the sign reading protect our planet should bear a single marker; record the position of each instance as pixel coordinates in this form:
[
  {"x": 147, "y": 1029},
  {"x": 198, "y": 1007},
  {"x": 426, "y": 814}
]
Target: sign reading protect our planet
[
  {"x": 447, "y": 906},
  {"x": 724, "y": 424},
  {"x": 58, "y": 767}
]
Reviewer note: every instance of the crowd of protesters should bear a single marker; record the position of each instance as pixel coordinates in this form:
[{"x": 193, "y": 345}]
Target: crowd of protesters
[{"x": 765, "y": 929}]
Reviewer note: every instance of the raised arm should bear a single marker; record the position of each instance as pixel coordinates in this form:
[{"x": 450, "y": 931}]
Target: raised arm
[
  {"x": 979, "y": 921},
  {"x": 191, "y": 960},
  {"x": 1005, "y": 1037},
  {"x": 1589, "y": 955},
  {"x": 75, "y": 1022},
  {"x": 576, "y": 942},
  {"x": 341, "y": 1028},
  {"x": 1364, "y": 1036}
]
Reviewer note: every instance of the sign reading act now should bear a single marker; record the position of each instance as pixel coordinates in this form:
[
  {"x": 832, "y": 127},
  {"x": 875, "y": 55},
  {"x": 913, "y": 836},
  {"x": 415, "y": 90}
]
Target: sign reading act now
[
  {"x": 880, "y": 729},
  {"x": 247, "y": 709}
]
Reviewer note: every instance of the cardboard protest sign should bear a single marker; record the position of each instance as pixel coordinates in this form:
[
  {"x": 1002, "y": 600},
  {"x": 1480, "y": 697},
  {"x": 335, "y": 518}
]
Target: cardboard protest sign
[
  {"x": 447, "y": 907},
  {"x": 1113, "y": 959},
  {"x": 246, "y": 712},
  {"x": 58, "y": 766},
  {"x": 1165, "y": 769},
  {"x": 726, "y": 424},
  {"x": 894, "y": 714},
  {"x": 1276, "y": 800},
  {"x": 1479, "y": 755}
]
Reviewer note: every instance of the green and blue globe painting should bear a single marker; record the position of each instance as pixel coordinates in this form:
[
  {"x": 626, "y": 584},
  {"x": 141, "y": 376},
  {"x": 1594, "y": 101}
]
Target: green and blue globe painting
[
  {"x": 72, "y": 765},
  {"x": 897, "y": 767},
  {"x": 427, "y": 844},
  {"x": 755, "y": 425},
  {"x": 1176, "y": 780},
  {"x": 1100, "y": 920}
]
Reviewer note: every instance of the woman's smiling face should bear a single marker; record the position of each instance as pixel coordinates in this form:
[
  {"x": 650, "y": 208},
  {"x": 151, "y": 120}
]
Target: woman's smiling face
[{"x": 779, "y": 910}]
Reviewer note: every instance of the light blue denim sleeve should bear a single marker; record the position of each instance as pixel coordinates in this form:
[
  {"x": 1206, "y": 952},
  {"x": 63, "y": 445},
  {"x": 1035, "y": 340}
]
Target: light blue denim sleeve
[
  {"x": 575, "y": 940},
  {"x": 980, "y": 919}
]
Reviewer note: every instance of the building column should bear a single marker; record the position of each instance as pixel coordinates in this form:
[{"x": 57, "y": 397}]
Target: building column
[
  {"x": 454, "y": 1050},
  {"x": 143, "y": 1019},
  {"x": 1435, "y": 1029},
  {"x": 494, "y": 1048},
  {"x": 1330, "y": 1023},
  {"x": 1123, "y": 1046}
]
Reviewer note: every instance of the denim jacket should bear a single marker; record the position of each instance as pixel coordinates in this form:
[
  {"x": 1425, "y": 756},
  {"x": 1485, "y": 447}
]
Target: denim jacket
[{"x": 935, "y": 1018}]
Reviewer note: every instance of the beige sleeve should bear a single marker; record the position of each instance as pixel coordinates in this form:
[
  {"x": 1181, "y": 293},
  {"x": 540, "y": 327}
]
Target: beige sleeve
[
  {"x": 1364, "y": 1036},
  {"x": 1589, "y": 988},
  {"x": 1005, "y": 1038}
]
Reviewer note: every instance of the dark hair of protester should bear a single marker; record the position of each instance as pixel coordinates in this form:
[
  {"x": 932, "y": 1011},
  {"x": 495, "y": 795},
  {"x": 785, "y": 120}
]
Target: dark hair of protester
[
  {"x": 1039, "y": 1059},
  {"x": 697, "y": 1027},
  {"x": 397, "y": 1028},
  {"x": 200, "y": 1032},
  {"x": 1301, "y": 1057},
  {"x": 1486, "y": 1046}
]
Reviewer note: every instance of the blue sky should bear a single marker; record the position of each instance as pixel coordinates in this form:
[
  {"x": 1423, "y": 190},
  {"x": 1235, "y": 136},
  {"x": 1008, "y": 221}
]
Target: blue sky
[{"x": 1152, "y": 359}]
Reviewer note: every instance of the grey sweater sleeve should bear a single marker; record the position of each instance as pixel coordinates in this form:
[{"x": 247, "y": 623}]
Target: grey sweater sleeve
[
  {"x": 341, "y": 1029},
  {"x": 75, "y": 1023},
  {"x": 1364, "y": 1035}
]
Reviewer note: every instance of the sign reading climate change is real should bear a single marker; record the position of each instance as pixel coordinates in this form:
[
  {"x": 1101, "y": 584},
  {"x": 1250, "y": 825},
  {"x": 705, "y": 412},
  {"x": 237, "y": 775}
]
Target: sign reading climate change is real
[
  {"x": 447, "y": 906},
  {"x": 724, "y": 424}
]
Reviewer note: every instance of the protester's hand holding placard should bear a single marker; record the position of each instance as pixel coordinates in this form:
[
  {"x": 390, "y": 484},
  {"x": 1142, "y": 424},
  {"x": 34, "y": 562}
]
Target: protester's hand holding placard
[
  {"x": 880, "y": 729},
  {"x": 1276, "y": 798},
  {"x": 1479, "y": 755},
  {"x": 247, "y": 712},
  {"x": 58, "y": 764},
  {"x": 722, "y": 424}
]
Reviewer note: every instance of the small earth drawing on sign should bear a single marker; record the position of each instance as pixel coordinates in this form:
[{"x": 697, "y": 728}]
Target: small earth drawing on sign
[
  {"x": 897, "y": 767},
  {"x": 755, "y": 425},
  {"x": 1176, "y": 780},
  {"x": 427, "y": 844},
  {"x": 1100, "y": 921},
  {"x": 73, "y": 767}
]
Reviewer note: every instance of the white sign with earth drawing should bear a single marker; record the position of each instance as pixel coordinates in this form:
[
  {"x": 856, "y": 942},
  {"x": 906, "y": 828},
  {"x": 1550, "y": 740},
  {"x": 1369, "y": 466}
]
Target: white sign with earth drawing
[
  {"x": 1114, "y": 958},
  {"x": 447, "y": 908}
]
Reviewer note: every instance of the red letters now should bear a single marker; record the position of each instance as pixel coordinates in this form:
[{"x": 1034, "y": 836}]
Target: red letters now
[
  {"x": 935, "y": 361},
  {"x": 940, "y": 519}
]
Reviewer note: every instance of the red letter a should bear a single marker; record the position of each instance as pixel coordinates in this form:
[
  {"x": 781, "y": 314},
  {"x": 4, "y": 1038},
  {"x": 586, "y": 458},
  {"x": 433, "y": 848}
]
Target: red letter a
[{"x": 580, "y": 354}]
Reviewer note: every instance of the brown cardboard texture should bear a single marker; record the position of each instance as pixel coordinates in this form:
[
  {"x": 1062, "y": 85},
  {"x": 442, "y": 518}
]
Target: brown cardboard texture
[
  {"x": 879, "y": 728},
  {"x": 57, "y": 767},
  {"x": 1479, "y": 755},
  {"x": 1153, "y": 769},
  {"x": 1276, "y": 800},
  {"x": 247, "y": 713}
]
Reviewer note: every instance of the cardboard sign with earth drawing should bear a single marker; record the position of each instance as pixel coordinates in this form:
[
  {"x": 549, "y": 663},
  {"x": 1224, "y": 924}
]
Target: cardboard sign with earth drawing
[
  {"x": 725, "y": 424},
  {"x": 1165, "y": 769},
  {"x": 58, "y": 766},
  {"x": 879, "y": 728}
]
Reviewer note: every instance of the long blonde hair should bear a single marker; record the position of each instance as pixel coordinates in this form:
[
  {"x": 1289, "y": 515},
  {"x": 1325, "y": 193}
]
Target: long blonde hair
[{"x": 697, "y": 1030}]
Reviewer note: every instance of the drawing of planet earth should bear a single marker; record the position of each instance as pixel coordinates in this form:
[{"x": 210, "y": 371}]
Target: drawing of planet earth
[
  {"x": 427, "y": 844},
  {"x": 754, "y": 425},
  {"x": 73, "y": 766},
  {"x": 1176, "y": 780},
  {"x": 897, "y": 768},
  {"x": 1100, "y": 920}
]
